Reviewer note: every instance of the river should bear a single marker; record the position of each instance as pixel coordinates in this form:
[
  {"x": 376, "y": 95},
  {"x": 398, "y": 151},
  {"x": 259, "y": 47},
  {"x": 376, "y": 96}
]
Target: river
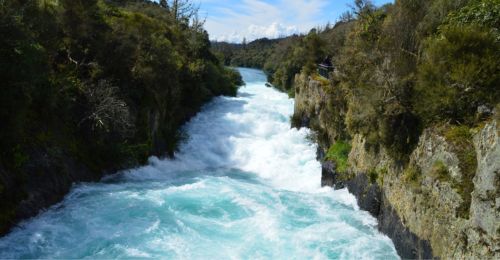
[{"x": 244, "y": 185}]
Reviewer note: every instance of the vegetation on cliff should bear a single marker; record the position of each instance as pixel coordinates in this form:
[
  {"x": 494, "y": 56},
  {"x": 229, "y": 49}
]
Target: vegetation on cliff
[
  {"x": 339, "y": 153},
  {"x": 107, "y": 83},
  {"x": 398, "y": 68}
]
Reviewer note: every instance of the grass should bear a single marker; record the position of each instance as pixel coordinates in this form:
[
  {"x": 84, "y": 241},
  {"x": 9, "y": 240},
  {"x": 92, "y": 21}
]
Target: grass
[
  {"x": 412, "y": 176},
  {"x": 320, "y": 79},
  {"x": 440, "y": 172},
  {"x": 339, "y": 153},
  {"x": 460, "y": 137}
]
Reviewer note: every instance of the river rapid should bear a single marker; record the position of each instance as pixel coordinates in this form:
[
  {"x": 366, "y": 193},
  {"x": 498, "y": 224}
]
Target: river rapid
[{"x": 244, "y": 185}]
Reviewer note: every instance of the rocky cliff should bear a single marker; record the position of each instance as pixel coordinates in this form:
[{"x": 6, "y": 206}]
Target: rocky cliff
[{"x": 443, "y": 202}]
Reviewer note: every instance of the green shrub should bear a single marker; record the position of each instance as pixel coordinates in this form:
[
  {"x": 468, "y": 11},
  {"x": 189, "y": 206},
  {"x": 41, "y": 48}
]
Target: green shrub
[
  {"x": 412, "y": 176},
  {"x": 460, "y": 70},
  {"x": 484, "y": 13},
  {"x": 440, "y": 172},
  {"x": 20, "y": 158},
  {"x": 339, "y": 153},
  {"x": 107, "y": 83},
  {"x": 399, "y": 131}
]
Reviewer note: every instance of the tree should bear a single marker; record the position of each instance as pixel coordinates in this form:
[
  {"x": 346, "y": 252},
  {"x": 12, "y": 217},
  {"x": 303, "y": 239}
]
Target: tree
[
  {"x": 107, "y": 112},
  {"x": 183, "y": 10},
  {"x": 346, "y": 17},
  {"x": 163, "y": 3},
  {"x": 85, "y": 29},
  {"x": 362, "y": 7},
  {"x": 459, "y": 72},
  {"x": 314, "y": 50}
]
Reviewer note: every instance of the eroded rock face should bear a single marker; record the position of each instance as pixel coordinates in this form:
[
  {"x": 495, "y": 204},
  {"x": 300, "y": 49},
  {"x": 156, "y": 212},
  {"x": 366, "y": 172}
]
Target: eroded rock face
[
  {"x": 310, "y": 97},
  {"x": 311, "y": 103},
  {"x": 483, "y": 237},
  {"x": 408, "y": 245},
  {"x": 328, "y": 174},
  {"x": 423, "y": 215},
  {"x": 429, "y": 206},
  {"x": 400, "y": 205}
]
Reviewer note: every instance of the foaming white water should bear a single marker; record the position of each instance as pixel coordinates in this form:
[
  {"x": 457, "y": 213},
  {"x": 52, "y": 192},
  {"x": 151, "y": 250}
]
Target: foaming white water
[
  {"x": 244, "y": 185},
  {"x": 252, "y": 133}
]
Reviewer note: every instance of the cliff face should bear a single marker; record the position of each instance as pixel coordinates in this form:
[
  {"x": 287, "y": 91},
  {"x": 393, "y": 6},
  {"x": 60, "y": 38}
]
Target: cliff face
[
  {"x": 431, "y": 206},
  {"x": 315, "y": 108}
]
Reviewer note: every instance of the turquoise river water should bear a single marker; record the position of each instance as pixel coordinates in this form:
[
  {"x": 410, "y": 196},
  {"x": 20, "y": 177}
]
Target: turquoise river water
[{"x": 243, "y": 186}]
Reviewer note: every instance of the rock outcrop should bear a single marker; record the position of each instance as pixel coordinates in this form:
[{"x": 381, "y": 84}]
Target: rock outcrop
[{"x": 424, "y": 205}]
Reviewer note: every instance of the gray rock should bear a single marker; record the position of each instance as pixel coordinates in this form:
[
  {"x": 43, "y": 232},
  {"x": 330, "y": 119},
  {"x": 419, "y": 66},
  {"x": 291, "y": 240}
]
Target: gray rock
[
  {"x": 484, "y": 111},
  {"x": 484, "y": 206}
]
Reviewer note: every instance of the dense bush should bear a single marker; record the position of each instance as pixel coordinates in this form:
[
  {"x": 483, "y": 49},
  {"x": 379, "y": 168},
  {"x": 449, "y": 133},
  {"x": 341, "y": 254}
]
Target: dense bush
[
  {"x": 253, "y": 54},
  {"x": 460, "y": 71},
  {"x": 460, "y": 68}
]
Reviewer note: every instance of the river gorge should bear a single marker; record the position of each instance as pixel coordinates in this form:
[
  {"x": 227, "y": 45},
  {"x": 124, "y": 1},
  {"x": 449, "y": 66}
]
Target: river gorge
[{"x": 244, "y": 185}]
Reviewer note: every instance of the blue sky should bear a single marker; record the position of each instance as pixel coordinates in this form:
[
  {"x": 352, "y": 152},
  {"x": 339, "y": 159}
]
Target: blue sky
[{"x": 233, "y": 20}]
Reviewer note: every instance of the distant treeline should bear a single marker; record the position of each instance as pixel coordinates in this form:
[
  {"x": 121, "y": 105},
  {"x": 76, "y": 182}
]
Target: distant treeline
[
  {"x": 282, "y": 58},
  {"x": 106, "y": 83}
]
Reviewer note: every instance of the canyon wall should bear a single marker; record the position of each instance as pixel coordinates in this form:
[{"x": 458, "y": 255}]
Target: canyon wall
[{"x": 431, "y": 205}]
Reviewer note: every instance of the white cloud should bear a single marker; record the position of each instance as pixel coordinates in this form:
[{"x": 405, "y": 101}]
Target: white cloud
[
  {"x": 252, "y": 19},
  {"x": 234, "y": 37},
  {"x": 272, "y": 31}
]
